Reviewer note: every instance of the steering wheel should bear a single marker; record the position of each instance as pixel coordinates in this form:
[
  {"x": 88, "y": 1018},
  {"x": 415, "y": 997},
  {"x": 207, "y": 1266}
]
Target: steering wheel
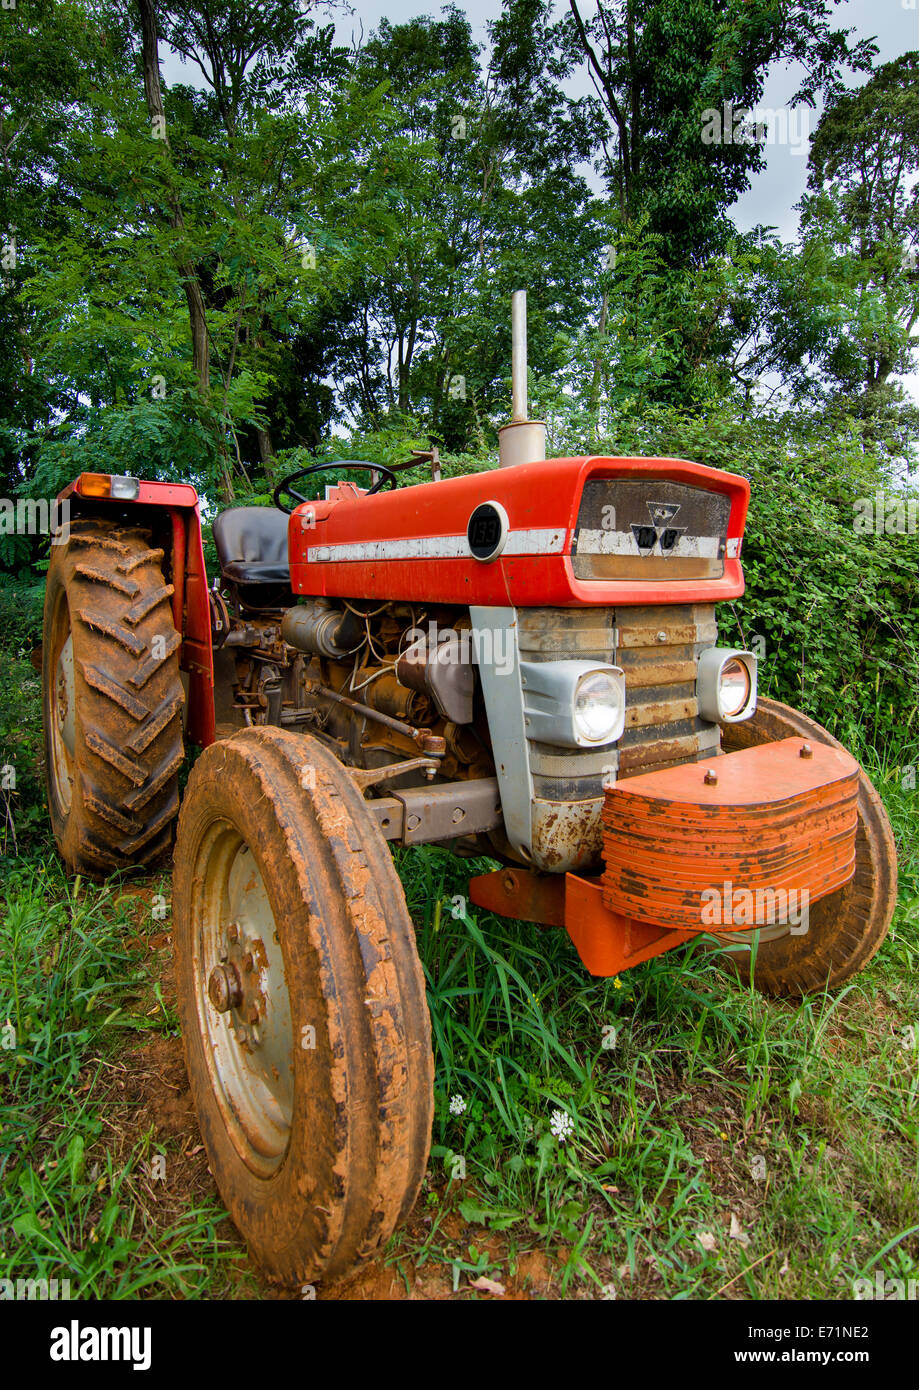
[{"x": 284, "y": 486}]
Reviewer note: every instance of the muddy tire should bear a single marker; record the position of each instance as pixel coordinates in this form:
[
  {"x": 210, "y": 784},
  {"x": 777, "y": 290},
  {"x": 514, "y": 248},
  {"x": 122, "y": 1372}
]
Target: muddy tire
[
  {"x": 302, "y": 1001},
  {"x": 846, "y": 927},
  {"x": 112, "y": 699}
]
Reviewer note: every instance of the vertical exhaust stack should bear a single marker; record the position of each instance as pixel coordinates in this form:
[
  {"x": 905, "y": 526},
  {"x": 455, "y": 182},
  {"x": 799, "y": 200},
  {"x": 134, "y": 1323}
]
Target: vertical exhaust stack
[{"x": 523, "y": 440}]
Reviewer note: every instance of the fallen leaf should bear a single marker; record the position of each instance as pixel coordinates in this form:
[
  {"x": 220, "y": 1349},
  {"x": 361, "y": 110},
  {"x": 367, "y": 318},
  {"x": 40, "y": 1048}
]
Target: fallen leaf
[
  {"x": 487, "y": 1285},
  {"x": 737, "y": 1231},
  {"x": 707, "y": 1241}
]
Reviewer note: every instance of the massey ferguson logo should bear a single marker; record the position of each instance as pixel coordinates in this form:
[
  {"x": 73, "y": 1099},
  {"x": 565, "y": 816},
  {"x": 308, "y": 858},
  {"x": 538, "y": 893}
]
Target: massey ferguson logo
[{"x": 661, "y": 531}]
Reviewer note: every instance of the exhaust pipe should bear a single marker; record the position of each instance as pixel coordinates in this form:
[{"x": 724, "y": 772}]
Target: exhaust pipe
[{"x": 522, "y": 440}]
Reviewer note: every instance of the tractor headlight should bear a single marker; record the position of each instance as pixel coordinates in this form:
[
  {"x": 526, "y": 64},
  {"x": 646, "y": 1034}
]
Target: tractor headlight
[
  {"x": 573, "y": 704},
  {"x": 726, "y": 685},
  {"x": 734, "y": 687},
  {"x": 598, "y": 707}
]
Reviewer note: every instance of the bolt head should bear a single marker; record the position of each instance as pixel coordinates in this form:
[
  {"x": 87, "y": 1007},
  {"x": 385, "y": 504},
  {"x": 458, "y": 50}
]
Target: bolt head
[
  {"x": 711, "y": 778},
  {"x": 223, "y": 988},
  {"x": 805, "y": 751}
]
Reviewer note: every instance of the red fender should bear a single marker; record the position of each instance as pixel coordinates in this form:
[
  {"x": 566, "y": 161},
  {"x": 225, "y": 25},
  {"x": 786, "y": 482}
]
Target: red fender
[{"x": 184, "y": 549}]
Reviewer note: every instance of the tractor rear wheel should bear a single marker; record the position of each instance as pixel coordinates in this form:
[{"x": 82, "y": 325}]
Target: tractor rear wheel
[
  {"x": 302, "y": 1001},
  {"x": 846, "y": 927},
  {"x": 112, "y": 699}
]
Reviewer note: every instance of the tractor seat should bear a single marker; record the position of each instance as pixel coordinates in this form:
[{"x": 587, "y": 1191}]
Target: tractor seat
[{"x": 252, "y": 545}]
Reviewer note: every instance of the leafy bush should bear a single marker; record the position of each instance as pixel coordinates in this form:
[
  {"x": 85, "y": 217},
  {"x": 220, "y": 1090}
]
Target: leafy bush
[{"x": 21, "y": 614}]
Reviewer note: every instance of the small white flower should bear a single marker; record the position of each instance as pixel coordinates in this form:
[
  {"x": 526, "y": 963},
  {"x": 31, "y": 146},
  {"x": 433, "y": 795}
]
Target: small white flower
[
  {"x": 457, "y": 1105},
  {"x": 561, "y": 1125}
]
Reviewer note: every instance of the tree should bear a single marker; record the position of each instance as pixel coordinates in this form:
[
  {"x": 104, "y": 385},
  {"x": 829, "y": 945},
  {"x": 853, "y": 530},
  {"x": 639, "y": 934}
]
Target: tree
[
  {"x": 672, "y": 78},
  {"x": 862, "y": 213},
  {"x": 488, "y": 200}
]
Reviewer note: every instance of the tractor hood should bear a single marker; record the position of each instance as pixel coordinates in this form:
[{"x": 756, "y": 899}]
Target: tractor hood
[{"x": 558, "y": 532}]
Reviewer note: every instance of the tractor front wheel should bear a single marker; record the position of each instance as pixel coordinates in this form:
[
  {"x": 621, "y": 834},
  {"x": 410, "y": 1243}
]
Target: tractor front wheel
[
  {"x": 302, "y": 1002},
  {"x": 846, "y": 927}
]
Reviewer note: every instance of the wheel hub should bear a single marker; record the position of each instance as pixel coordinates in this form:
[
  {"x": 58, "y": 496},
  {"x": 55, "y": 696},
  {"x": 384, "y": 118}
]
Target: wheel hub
[
  {"x": 240, "y": 984},
  {"x": 223, "y": 988}
]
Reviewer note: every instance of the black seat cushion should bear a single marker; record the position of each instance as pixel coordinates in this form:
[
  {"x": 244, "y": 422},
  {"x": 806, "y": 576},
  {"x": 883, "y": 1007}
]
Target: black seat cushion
[{"x": 252, "y": 545}]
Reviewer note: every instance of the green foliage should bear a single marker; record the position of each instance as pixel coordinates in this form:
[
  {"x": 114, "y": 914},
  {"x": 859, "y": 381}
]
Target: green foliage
[
  {"x": 860, "y": 219},
  {"x": 659, "y": 67},
  {"x": 835, "y": 607}
]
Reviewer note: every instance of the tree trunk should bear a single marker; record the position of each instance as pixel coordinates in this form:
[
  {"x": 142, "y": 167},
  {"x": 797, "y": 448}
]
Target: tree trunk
[
  {"x": 598, "y": 364},
  {"x": 190, "y": 283},
  {"x": 265, "y": 447}
]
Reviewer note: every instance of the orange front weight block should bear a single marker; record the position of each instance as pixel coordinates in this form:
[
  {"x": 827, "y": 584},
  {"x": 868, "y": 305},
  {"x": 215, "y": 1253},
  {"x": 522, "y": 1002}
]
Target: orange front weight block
[
  {"x": 708, "y": 845},
  {"x": 748, "y": 840}
]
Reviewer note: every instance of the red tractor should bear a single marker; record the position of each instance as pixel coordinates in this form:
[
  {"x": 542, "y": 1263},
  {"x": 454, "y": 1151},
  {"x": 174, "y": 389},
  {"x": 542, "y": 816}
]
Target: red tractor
[{"x": 519, "y": 663}]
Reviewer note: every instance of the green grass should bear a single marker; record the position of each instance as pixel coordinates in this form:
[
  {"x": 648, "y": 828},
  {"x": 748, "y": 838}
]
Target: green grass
[
  {"x": 76, "y": 1200},
  {"x": 696, "y": 1107}
]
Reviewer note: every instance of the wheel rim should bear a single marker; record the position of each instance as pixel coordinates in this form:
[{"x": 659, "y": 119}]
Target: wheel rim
[
  {"x": 242, "y": 1000},
  {"x": 62, "y": 720}
]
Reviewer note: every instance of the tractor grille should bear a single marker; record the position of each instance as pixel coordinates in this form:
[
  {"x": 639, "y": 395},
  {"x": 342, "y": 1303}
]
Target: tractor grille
[
  {"x": 568, "y": 634},
  {"x": 658, "y": 648},
  {"x": 650, "y": 528}
]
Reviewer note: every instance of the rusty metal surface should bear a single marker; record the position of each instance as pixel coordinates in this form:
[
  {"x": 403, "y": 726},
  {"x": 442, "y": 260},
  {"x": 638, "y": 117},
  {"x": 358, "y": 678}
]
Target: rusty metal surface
[
  {"x": 766, "y": 821},
  {"x": 370, "y": 777},
  {"x": 389, "y": 815},
  {"x": 566, "y": 835},
  {"x": 449, "y": 810},
  {"x": 658, "y": 649},
  {"x": 643, "y": 529}
]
